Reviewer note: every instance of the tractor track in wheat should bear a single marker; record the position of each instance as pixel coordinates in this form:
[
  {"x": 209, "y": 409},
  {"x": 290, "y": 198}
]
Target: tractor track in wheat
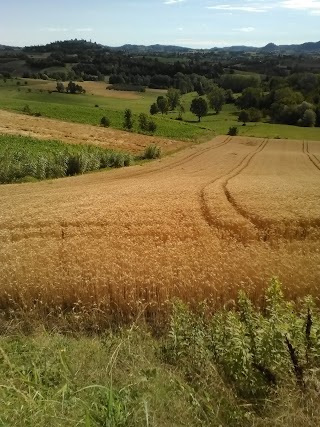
[
  {"x": 228, "y": 213},
  {"x": 223, "y": 182},
  {"x": 312, "y": 157}
]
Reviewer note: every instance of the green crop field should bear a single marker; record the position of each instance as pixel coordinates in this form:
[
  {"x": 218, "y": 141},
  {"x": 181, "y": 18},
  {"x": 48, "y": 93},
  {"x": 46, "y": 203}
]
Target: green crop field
[{"x": 24, "y": 159}]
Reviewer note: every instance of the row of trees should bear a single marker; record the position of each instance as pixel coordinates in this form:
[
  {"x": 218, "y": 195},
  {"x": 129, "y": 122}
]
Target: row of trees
[{"x": 145, "y": 123}]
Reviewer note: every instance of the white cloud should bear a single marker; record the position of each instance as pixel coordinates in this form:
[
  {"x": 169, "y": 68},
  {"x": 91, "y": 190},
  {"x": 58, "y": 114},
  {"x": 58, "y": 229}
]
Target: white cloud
[
  {"x": 173, "y": 1},
  {"x": 312, "y": 6},
  {"x": 245, "y": 29},
  {"x": 256, "y": 8}
]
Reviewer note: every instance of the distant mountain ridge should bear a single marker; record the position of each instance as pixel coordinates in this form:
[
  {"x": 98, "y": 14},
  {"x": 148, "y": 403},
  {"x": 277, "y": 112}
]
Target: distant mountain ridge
[
  {"x": 156, "y": 48},
  {"x": 307, "y": 47},
  {"x": 5, "y": 47}
]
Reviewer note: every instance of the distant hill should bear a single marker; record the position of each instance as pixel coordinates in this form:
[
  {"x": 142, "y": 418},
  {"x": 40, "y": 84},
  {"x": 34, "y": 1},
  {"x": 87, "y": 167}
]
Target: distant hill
[
  {"x": 156, "y": 48},
  {"x": 72, "y": 46},
  {"x": 4, "y": 47},
  {"x": 307, "y": 47}
]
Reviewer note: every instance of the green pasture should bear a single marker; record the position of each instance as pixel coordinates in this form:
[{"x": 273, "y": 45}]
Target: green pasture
[{"x": 89, "y": 109}]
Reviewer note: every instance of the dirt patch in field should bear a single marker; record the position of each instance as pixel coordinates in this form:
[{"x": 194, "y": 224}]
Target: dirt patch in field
[{"x": 74, "y": 133}]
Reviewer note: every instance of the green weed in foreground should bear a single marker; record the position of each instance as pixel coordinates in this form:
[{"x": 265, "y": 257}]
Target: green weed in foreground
[
  {"x": 24, "y": 159},
  {"x": 254, "y": 350},
  {"x": 242, "y": 367}
]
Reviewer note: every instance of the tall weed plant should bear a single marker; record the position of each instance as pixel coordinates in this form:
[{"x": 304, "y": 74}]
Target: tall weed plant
[{"x": 255, "y": 349}]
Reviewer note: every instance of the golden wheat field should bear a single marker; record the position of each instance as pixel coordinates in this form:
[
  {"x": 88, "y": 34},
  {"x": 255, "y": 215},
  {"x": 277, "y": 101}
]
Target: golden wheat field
[{"x": 227, "y": 214}]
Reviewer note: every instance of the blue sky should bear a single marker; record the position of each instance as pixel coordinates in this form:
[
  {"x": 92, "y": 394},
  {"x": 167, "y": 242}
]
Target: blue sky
[{"x": 192, "y": 23}]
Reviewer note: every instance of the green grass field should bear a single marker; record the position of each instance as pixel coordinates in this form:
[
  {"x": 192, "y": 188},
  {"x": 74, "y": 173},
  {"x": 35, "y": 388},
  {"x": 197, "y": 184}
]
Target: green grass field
[
  {"x": 89, "y": 109},
  {"x": 82, "y": 109}
]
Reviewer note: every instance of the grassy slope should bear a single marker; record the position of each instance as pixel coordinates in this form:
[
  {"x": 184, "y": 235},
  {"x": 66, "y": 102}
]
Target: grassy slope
[{"x": 81, "y": 109}]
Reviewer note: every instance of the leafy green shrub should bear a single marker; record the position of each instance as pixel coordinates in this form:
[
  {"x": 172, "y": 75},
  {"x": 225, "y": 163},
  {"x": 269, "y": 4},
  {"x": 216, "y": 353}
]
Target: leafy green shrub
[
  {"x": 152, "y": 152},
  {"x": 154, "y": 109},
  {"x": 255, "y": 350},
  {"x": 233, "y": 131},
  {"x": 143, "y": 121},
  {"x": 146, "y": 124},
  {"x": 128, "y": 119},
  {"x": 105, "y": 121},
  {"x": 152, "y": 127},
  {"x": 308, "y": 119}
]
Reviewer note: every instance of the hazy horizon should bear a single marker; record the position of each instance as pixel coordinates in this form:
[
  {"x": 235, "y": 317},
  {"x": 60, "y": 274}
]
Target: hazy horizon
[{"x": 187, "y": 23}]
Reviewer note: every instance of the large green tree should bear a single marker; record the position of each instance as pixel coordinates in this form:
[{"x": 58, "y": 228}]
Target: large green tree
[
  {"x": 173, "y": 96},
  {"x": 251, "y": 98},
  {"x": 216, "y": 98},
  {"x": 244, "y": 116},
  {"x": 199, "y": 107},
  {"x": 163, "y": 104}
]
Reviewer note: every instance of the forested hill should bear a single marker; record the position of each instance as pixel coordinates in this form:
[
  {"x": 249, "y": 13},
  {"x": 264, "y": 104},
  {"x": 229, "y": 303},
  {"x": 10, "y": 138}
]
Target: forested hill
[
  {"x": 308, "y": 47},
  {"x": 156, "y": 48},
  {"x": 74, "y": 46}
]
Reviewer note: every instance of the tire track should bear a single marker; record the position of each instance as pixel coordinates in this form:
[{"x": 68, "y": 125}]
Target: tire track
[
  {"x": 68, "y": 229},
  {"x": 256, "y": 223},
  {"x": 269, "y": 230},
  {"x": 205, "y": 208},
  {"x": 313, "y": 159},
  {"x": 56, "y": 231},
  {"x": 187, "y": 158},
  {"x": 127, "y": 174}
]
